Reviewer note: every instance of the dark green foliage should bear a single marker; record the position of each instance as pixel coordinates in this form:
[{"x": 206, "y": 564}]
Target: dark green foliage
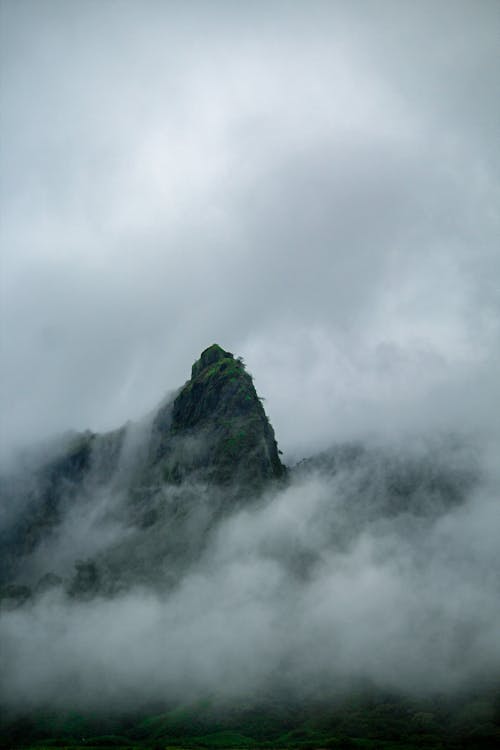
[
  {"x": 210, "y": 356},
  {"x": 373, "y": 723}
]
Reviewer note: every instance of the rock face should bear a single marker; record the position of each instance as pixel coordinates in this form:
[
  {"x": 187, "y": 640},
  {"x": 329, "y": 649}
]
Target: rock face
[{"x": 217, "y": 428}]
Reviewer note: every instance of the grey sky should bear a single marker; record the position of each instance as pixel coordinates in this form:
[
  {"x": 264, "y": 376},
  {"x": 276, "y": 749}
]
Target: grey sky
[{"x": 315, "y": 186}]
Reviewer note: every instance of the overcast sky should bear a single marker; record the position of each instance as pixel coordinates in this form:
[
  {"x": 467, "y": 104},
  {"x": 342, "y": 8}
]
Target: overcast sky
[{"x": 313, "y": 185}]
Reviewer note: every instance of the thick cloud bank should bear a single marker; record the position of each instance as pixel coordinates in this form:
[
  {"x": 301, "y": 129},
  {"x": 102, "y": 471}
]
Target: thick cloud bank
[{"x": 319, "y": 587}]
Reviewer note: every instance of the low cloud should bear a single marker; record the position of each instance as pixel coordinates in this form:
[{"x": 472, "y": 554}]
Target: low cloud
[{"x": 317, "y": 587}]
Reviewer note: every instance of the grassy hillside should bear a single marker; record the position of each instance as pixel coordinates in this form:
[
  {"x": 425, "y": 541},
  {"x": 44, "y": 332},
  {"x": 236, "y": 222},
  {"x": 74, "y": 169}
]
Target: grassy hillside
[{"x": 372, "y": 723}]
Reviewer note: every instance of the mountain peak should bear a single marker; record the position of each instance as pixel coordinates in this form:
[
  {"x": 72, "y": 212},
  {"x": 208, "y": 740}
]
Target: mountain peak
[
  {"x": 209, "y": 356},
  {"x": 218, "y": 411}
]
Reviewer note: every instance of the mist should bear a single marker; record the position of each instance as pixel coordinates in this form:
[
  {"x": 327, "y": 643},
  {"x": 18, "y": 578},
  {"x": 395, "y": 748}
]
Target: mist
[
  {"x": 316, "y": 187},
  {"x": 310, "y": 590}
]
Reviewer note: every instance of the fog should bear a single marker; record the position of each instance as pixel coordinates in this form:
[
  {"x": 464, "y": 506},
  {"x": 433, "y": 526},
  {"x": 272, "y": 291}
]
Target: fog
[
  {"x": 313, "y": 590},
  {"x": 315, "y": 187}
]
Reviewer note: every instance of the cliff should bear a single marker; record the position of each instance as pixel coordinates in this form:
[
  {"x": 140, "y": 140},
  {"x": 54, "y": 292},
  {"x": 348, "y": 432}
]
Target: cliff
[{"x": 216, "y": 428}]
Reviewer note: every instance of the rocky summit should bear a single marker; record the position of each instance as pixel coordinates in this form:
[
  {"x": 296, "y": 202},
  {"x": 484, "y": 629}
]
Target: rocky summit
[{"x": 216, "y": 428}]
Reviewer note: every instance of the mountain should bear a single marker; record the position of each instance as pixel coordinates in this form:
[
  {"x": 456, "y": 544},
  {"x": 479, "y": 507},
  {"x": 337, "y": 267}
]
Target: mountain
[
  {"x": 172, "y": 584},
  {"x": 99, "y": 513},
  {"x": 163, "y": 482},
  {"x": 216, "y": 429}
]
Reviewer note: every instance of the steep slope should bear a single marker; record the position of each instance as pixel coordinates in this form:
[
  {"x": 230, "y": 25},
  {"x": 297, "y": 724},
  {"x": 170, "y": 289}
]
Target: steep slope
[
  {"x": 161, "y": 484},
  {"x": 216, "y": 428}
]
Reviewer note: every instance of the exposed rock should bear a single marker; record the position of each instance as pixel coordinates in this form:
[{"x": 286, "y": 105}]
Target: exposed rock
[{"x": 217, "y": 427}]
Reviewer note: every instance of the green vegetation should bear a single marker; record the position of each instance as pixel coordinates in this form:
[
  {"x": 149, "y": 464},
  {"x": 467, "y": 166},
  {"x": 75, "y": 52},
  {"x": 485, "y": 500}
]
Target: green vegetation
[{"x": 360, "y": 722}]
